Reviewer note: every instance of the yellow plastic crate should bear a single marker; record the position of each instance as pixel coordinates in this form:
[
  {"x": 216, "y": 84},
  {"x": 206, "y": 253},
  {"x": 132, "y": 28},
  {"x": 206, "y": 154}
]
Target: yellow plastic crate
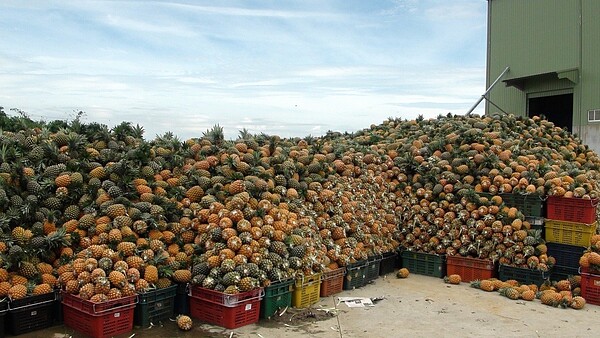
[
  {"x": 571, "y": 233},
  {"x": 306, "y": 291}
]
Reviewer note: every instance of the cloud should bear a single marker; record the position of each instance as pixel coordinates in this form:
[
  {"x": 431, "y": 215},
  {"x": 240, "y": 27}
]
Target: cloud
[{"x": 124, "y": 23}]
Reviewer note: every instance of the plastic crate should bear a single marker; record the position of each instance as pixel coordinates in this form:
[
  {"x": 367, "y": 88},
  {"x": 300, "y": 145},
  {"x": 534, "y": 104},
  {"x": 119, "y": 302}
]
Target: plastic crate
[
  {"x": 182, "y": 300},
  {"x": 225, "y": 310},
  {"x": 3, "y": 311},
  {"x": 57, "y": 309},
  {"x": 277, "y": 296},
  {"x": 355, "y": 275},
  {"x": 590, "y": 288},
  {"x": 562, "y": 272},
  {"x": 523, "y": 275},
  {"x": 572, "y": 209},
  {"x": 372, "y": 268},
  {"x": 572, "y": 233},
  {"x": 332, "y": 282},
  {"x": 388, "y": 263},
  {"x": 528, "y": 204},
  {"x": 154, "y": 306},
  {"x": 422, "y": 263},
  {"x": 99, "y": 320},
  {"x": 30, "y": 313},
  {"x": 469, "y": 268},
  {"x": 566, "y": 255},
  {"x": 306, "y": 291}
]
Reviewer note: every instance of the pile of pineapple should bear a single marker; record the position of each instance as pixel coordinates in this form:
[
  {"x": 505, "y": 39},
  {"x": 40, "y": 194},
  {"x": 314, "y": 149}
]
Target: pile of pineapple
[
  {"x": 564, "y": 293},
  {"x": 590, "y": 260},
  {"x": 103, "y": 213}
]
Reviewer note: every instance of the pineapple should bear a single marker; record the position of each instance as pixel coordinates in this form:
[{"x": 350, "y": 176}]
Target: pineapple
[
  {"x": 41, "y": 289},
  {"x": 453, "y": 279},
  {"x": 578, "y": 303},
  {"x": 17, "y": 291},
  {"x": 184, "y": 322},
  {"x": 402, "y": 273},
  {"x": 117, "y": 279},
  {"x": 99, "y": 298},
  {"x": 28, "y": 270},
  {"x": 484, "y": 284},
  {"x": 528, "y": 295},
  {"x": 114, "y": 293},
  {"x": 510, "y": 293},
  {"x": 182, "y": 276},
  {"x": 151, "y": 274}
]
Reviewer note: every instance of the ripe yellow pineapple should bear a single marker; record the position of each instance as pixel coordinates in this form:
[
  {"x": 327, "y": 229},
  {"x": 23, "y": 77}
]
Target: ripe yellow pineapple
[
  {"x": 151, "y": 274},
  {"x": 4, "y": 287},
  {"x": 453, "y": 279},
  {"x": 182, "y": 276},
  {"x": 402, "y": 273},
  {"x": 117, "y": 278},
  {"x": 17, "y": 291},
  {"x": 184, "y": 322},
  {"x": 578, "y": 303},
  {"x": 42, "y": 289}
]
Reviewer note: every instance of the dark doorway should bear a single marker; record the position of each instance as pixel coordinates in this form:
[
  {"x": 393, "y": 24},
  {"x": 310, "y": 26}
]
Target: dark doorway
[{"x": 556, "y": 108}]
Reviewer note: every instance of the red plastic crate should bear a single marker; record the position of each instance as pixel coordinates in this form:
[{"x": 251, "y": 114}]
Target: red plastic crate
[
  {"x": 99, "y": 320},
  {"x": 571, "y": 209},
  {"x": 223, "y": 298},
  {"x": 469, "y": 268},
  {"x": 590, "y": 288},
  {"x": 228, "y": 311},
  {"x": 332, "y": 282}
]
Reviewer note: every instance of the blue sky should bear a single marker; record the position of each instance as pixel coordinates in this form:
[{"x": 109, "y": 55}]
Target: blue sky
[{"x": 290, "y": 68}]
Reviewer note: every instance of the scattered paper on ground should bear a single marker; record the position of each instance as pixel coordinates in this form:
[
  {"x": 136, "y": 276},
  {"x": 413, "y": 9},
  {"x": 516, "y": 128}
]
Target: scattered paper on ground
[{"x": 355, "y": 301}]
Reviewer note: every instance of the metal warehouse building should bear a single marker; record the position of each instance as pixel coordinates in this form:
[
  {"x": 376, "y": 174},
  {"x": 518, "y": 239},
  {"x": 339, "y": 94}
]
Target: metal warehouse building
[{"x": 552, "y": 50}]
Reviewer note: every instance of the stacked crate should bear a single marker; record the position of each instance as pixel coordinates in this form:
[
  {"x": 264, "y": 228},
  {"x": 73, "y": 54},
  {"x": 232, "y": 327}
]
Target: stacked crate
[
  {"x": 570, "y": 224},
  {"x": 533, "y": 207}
]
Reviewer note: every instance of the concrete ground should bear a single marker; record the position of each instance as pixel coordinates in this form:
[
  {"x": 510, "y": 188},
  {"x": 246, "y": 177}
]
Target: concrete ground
[{"x": 419, "y": 306}]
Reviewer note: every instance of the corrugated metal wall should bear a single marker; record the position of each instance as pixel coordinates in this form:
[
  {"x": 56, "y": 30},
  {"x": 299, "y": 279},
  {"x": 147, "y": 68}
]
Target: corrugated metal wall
[
  {"x": 590, "y": 75},
  {"x": 531, "y": 37}
]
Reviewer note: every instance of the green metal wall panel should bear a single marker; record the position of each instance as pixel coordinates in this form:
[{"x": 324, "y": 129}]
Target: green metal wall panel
[
  {"x": 531, "y": 37},
  {"x": 590, "y": 75},
  {"x": 535, "y": 36},
  {"x": 546, "y": 36},
  {"x": 590, "y": 58}
]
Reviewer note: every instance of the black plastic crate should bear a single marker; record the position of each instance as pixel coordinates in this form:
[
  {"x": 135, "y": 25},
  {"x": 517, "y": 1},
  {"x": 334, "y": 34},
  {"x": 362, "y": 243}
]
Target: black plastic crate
[
  {"x": 3, "y": 311},
  {"x": 154, "y": 306},
  {"x": 355, "y": 275},
  {"x": 31, "y": 313},
  {"x": 562, "y": 272},
  {"x": 388, "y": 263},
  {"x": 566, "y": 255},
  {"x": 422, "y": 263},
  {"x": 372, "y": 268},
  {"x": 523, "y": 275},
  {"x": 182, "y": 300},
  {"x": 57, "y": 308}
]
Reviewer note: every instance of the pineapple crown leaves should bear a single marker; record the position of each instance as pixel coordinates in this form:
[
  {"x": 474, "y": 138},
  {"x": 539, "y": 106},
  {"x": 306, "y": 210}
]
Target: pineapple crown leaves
[
  {"x": 57, "y": 239},
  {"x": 165, "y": 271}
]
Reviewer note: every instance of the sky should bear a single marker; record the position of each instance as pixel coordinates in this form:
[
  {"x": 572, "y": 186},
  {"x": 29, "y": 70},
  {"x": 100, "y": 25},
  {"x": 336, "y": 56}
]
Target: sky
[{"x": 287, "y": 68}]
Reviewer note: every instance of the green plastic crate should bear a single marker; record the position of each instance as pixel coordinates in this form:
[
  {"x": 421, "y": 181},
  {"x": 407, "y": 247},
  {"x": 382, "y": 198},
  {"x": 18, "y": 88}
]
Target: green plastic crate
[
  {"x": 355, "y": 275},
  {"x": 372, "y": 268},
  {"x": 528, "y": 204},
  {"x": 154, "y": 306},
  {"x": 388, "y": 263},
  {"x": 277, "y": 296},
  {"x": 422, "y": 263}
]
